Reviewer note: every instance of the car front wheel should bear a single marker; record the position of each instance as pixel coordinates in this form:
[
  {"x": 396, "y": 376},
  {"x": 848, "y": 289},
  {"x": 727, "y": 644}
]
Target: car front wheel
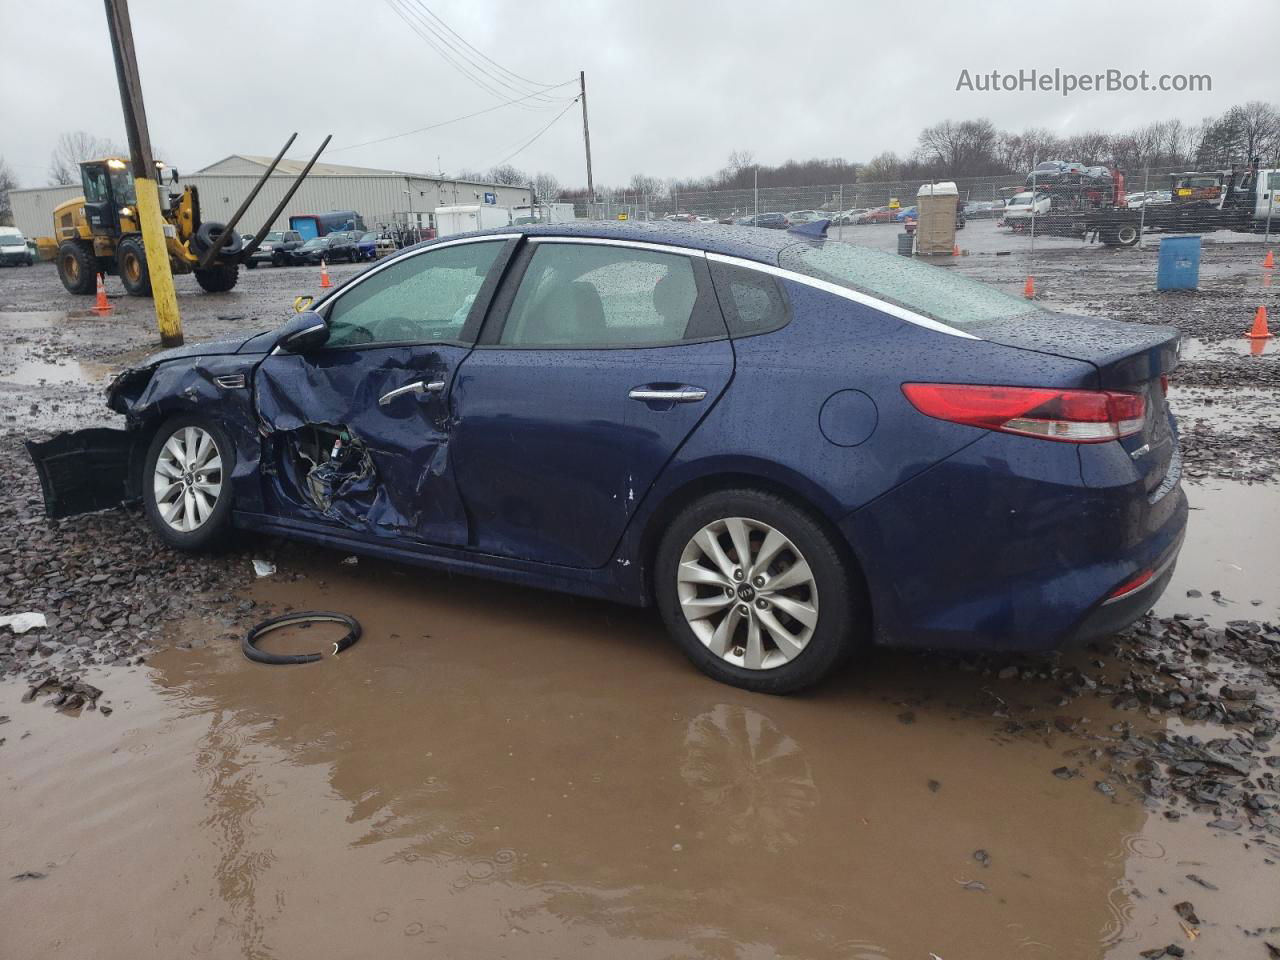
[
  {"x": 757, "y": 592},
  {"x": 186, "y": 483}
]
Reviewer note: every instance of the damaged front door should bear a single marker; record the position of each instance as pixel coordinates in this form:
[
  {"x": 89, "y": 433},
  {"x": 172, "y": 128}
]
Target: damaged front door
[{"x": 358, "y": 431}]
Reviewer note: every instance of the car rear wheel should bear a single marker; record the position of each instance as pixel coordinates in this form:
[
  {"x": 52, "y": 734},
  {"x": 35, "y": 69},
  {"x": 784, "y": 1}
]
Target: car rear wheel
[
  {"x": 186, "y": 483},
  {"x": 757, "y": 592}
]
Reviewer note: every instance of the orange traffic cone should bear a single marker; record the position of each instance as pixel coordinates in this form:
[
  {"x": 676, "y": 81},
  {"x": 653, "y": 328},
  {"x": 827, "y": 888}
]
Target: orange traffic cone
[
  {"x": 325, "y": 283},
  {"x": 1256, "y": 347},
  {"x": 1259, "y": 331},
  {"x": 955, "y": 249},
  {"x": 100, "y": 306},
  {"x": 1029, "y": 288},
  {"x": 1270, "y": 262}
]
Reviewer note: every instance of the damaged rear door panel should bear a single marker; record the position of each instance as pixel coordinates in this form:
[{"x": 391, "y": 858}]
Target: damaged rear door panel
[{"x": 357, "y": 433}]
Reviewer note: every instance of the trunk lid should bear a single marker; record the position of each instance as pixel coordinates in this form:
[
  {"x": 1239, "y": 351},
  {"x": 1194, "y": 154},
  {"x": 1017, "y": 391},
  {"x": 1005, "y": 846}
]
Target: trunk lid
[{"x": 1133, "y": 357}]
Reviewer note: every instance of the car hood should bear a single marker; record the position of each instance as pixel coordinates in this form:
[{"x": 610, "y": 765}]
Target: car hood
[{"x": 257, "y": 342}]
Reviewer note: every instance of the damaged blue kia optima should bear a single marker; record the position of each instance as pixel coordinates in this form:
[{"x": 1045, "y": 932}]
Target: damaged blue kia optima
[{"x": 792, "y": 446}]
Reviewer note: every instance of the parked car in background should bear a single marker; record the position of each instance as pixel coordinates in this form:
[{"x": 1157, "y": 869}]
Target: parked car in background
[
  {"x": 330, "y": 248},
  {"x": 982, "y": 209},
  {"x": 850, "y": 216},
  {"x": 367, "y": 245},
  {"x": 807, "y": 216},
  {"x": 1019, "y": 208},
  {"x": 276, "y": 248},
  {"x": 346, "y": 245},
  {"x": 902, "y": 214},
  {"x": 770, "y": 221},
  {"x": 877, "y": 215},
  {"x": 1010, "y": 480},
  {"x": 702, "y": 219},
  {"x": 14, "y": 250}
]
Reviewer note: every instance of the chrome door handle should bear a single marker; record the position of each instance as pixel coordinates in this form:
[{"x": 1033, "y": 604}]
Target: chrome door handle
[
  {"x": 420, "y": 386},
  {"x": 679, "y": 395}
]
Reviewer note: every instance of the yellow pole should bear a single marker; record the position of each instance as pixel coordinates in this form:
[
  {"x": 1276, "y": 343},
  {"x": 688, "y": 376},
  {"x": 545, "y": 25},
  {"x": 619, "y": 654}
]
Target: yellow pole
[{"x": 166, "y": 298}]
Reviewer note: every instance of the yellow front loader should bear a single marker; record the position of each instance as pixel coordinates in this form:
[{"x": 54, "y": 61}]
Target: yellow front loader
[{"x": 100, "y": 232}]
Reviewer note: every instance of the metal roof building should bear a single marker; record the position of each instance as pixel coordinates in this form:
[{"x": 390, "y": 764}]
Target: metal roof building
[{"x": 382, "y": 197}]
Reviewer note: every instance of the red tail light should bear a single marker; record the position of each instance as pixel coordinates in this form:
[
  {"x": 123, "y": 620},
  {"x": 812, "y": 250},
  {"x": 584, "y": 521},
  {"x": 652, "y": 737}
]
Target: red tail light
[{"x": 1071, "y": 416}]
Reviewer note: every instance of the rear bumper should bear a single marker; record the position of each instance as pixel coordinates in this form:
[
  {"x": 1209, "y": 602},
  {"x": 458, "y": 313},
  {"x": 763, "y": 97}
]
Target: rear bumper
[{"x": 1003, "y": 546}]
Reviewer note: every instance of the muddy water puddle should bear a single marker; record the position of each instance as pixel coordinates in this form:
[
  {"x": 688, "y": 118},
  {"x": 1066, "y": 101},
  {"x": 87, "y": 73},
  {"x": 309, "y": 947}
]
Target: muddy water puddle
[
  {"x": 493, "y": 772},
  {"x": 1231, "y": 547}
]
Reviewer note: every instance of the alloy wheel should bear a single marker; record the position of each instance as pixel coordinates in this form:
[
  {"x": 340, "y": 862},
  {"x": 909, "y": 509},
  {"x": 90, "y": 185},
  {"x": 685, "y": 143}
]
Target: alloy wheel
[
  {"x": 188, "y": 478},
  {"x": 747, "y": 593}
]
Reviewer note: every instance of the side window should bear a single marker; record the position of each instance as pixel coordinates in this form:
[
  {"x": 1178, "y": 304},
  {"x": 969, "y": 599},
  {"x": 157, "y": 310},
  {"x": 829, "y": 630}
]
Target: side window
[
  {"x": 95, "y": 184},
  {"x": 584, "y": 295},
  {"x": 425, "y": 298},
  {"x": 753, "y": 302}
]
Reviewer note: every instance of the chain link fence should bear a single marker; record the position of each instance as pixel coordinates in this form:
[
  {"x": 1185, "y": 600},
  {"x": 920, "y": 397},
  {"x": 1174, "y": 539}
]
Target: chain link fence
[{"x": 829, "y": 198}]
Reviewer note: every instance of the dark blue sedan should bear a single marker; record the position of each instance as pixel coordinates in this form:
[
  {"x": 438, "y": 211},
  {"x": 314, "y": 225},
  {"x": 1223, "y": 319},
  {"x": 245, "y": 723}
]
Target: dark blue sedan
[{"x": 793, "y": 447}]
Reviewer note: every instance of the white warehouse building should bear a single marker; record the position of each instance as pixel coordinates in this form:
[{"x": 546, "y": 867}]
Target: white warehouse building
[{"x": 381, "y": 197}]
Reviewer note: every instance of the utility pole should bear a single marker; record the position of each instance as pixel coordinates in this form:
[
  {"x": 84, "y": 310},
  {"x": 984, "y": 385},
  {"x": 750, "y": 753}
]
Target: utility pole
[
  {"x": 148, "y": 195},
  {"x": 586, "y": 139}
]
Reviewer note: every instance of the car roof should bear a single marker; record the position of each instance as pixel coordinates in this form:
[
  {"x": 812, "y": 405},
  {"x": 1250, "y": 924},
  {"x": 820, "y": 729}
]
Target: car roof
[{"x": 748, "y": 243}]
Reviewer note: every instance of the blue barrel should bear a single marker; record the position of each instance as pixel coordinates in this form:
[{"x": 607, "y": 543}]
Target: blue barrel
[{"x": 1179, "y": 267}]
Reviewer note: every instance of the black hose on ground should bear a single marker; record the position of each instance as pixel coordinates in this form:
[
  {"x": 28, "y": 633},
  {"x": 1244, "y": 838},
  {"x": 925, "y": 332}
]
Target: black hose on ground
[{"x": 289, "y": 619}]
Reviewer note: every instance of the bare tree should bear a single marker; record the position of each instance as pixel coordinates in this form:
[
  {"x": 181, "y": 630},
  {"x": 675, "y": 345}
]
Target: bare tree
[
  {"x": 8, "y": 181},
  {"x": 1259, "y": 129},
  {"x": 507, "y": 174},
  {"x": 644, "y": 185},
  {"x": 71, "y": 149},
  {"x": 883, "y": 166},
  {"x": 964, "y": 148},
  {"x": 740, "y": 160},
  {"x": 546, "y": 187}
]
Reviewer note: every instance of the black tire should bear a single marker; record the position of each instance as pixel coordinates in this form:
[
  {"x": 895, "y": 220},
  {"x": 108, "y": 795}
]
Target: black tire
[
  {"x": 216, "y": 528},
  {"x": 251, "y": 264},
  {"x": 208, "y": 235},
  {"x": 219, "y": 278},
  {"x": 1127, "y": 235},
  {"x": 277, "y": 260},
  {"x": 843, "y": 613},
  {"x": 131, "y": 266},
  {"x": 77, "y": 267}
]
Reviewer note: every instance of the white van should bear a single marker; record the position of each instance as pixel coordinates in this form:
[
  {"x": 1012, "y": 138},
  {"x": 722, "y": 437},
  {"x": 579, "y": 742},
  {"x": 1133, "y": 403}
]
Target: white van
[{"x": 14, "y": 249}]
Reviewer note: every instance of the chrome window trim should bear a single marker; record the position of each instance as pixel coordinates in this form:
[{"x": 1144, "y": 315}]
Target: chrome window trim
[
  {"x": 631, "y": 244},
  {"x": 884, "y": 306},
  {"x": 327, "y": 305}
]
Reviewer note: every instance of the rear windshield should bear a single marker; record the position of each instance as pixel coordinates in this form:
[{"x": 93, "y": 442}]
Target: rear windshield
[{"x": 935, "y": 292}]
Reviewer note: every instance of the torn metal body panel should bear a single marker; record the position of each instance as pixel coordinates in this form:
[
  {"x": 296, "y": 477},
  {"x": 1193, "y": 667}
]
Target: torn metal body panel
[
  {"x": 83, "y": 470},
  {"x": 396, "y": 478}
]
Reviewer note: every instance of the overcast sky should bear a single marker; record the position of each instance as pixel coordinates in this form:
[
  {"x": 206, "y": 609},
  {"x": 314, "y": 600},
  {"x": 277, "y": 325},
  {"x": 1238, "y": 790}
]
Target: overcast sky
[{"x": 672, "y": 85}]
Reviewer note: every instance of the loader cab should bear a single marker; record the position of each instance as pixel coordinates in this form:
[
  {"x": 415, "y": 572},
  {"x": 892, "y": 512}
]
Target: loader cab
[{"x": 109, "y": 195}]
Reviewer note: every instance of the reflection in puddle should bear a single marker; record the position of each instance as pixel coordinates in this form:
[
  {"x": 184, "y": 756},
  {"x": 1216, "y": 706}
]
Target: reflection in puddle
[
  {"x": 750, "y": 777},
  {"x": 546, "y": 776},
  {"x": 1232, "y": 532}
]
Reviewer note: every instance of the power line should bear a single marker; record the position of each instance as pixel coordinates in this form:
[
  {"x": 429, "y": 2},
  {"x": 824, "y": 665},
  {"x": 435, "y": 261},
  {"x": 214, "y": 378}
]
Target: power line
[
  {"x": 456, "y": 57},
  {"x": 530, "y": 141},
  {"x": 505, "y": 70},
  {"x": 444, "y": 123}
]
